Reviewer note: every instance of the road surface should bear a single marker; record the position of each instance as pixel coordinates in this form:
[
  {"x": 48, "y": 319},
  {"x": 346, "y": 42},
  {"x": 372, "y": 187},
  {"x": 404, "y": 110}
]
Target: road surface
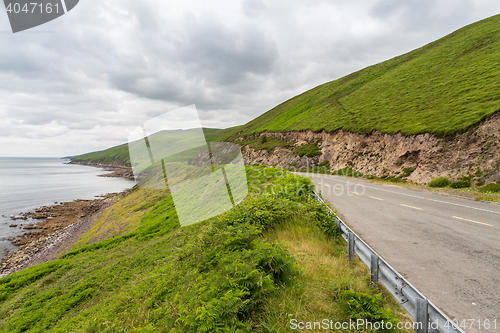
[{"x": 447, "y": 247}]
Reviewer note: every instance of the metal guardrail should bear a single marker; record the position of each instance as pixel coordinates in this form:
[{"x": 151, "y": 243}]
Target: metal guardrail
[{"x": 419, "y": 307}]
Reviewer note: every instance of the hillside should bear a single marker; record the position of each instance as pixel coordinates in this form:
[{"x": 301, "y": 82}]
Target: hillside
[
  {"x": 119, "y": 155},
  {"x": 442, "y": 88},
  {"x": 271, "y": 259},
  {"x": 433, "y": 112}
]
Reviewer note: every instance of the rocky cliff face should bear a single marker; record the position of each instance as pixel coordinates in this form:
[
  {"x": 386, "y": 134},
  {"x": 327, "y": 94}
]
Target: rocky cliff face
[{"x": 476, "y": 152}]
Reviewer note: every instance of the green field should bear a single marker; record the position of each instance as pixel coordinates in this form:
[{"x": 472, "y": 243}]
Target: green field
[
  {"x": 251, "y": 269},
  {"x": 442, "y": 88}
]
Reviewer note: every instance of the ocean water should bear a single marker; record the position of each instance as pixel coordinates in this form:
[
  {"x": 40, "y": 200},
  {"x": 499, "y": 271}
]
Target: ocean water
[{"x": 29, "y": 183}]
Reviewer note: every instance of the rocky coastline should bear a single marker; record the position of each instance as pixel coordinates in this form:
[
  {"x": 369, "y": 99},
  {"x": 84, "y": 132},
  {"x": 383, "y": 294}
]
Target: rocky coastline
[
  {"x": 54, "y": 229},
  {"x": 119, "y": 171}
]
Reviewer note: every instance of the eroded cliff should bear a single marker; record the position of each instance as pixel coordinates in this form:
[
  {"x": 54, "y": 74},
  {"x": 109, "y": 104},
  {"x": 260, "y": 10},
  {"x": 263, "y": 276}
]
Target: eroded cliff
[{"x": 423, "y": 156}]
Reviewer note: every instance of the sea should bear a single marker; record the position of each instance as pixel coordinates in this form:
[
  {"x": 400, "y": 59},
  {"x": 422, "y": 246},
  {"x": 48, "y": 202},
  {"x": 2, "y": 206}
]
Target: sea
[{"x": 29, "y": 183}]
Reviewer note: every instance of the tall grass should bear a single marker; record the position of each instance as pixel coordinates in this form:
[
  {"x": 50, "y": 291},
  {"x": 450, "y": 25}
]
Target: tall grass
[{"x": 248, "y": 270}]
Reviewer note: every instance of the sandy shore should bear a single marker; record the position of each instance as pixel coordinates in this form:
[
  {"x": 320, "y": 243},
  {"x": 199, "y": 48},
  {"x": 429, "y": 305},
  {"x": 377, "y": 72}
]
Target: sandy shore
[{"x": 58, "y": 227}]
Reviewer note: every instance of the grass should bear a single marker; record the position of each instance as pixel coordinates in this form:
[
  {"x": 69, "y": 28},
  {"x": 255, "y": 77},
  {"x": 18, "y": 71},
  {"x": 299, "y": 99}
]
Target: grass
[
  {"x": 442, "y": 88},
  {"x": 119, "y": 155},
  {"x": 309, "y": 149},
  {"x": 461, "y": 184},
  {"x": 264, "y": 142},
  {"x": 245, "y": 270},
  {"x": 326, "y": 274},
  {"x": 490, "y": 188},
  {"x": 439, "y": 182},
  {"x": 269, "y": 143}
]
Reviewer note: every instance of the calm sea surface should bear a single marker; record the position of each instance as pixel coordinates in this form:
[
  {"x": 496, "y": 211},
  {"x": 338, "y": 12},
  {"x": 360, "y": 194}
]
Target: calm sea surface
[{"x": 29, "y": 183}]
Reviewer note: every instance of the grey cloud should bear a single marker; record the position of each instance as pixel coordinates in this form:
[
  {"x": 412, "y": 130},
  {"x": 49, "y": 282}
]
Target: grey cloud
[
  {"x": 424, "y": 14},
  {"x": 252, "y": 8},
  {"x": 197, "y": 61},
  {"x": 112, "y": 64},
  {"x": 227, "y": 54}
]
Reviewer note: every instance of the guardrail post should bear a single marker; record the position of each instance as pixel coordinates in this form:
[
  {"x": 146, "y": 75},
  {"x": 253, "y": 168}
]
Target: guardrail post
[
  {"x": 409, "y": 297},
  {"x": 351, "y": 246},
  {"x": 374, "y": 271},
  {"x": 422, "y": 317},
  {"x": 337, "y": 222}
]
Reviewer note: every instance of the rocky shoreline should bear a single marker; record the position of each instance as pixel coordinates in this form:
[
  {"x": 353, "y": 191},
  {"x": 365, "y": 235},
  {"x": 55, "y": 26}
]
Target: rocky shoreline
[
  {"x": 119, "y": 171},
  {"x": 56, "y": 229}
]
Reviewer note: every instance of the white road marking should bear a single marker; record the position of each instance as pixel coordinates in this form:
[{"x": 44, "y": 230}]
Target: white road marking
[{"x": 418, "y": 197}]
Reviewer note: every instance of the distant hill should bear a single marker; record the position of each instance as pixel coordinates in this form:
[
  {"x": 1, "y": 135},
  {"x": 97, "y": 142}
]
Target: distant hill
[
  {"x": 442, "y": 88},
  {"x": 119, "y": 155}
]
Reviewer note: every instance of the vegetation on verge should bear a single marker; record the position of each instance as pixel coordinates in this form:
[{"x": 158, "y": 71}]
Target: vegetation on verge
[
  {"x": 493, "y": 188},
  {"x": 310, "y": 149},
  {"x": 245, "y": 270},
  {"x": 439, "y": 182}
]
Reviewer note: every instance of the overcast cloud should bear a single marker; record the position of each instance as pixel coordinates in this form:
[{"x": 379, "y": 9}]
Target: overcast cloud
[{"x": 84, "y": 81}]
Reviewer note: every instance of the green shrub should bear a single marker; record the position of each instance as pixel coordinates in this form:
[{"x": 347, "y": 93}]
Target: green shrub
[
  {"x": 439, "y": 182},
  {"x": 393, "y": 179},
  {"x": 325, "y": 221},
  {"x": 264, "y": 142},
  {"x": 359, "y": 305},
  {"x": 325, "y": 164},
  {"x": 461, "y": 184},
  {"x": 408, "y": 171},
  {"x": 495, "y": 188},
  {"x": 309, "y": 149}
]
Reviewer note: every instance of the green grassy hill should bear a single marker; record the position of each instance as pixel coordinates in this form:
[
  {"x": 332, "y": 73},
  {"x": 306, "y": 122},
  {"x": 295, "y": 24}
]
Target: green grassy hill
[
  {"x": 271, "y": 259},
  {"x": 119, "y": 155},
  {"x": 442, "y": 88}
]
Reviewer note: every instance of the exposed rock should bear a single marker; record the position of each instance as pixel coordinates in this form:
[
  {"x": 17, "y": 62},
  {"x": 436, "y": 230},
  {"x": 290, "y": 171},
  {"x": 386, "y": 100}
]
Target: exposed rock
[
  {"x": 57, "y": 217},
  {"x": 54, "y": 235},
  {"x": 379, "y": 154},
  {"x": 119, "y": 171}
]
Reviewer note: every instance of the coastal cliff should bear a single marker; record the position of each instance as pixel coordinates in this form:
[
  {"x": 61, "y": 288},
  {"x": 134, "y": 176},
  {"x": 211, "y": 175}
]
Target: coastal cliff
[{"x": 419, "y": 157}]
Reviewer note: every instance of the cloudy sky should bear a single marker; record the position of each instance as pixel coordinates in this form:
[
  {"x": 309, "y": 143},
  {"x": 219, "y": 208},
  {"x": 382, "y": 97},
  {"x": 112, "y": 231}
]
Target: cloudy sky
[{"x": 83, "y": 81}]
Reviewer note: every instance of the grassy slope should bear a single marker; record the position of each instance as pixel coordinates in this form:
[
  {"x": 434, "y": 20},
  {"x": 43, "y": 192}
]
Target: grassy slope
[
  {"x": 119, "y": 155},
  {"x": 442, "y": 88},
  {"x": 230, "y": 272}
]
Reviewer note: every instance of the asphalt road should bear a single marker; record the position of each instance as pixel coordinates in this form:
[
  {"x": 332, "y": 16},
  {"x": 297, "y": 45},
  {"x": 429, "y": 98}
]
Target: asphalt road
[{"x": 447, "y": 247}]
